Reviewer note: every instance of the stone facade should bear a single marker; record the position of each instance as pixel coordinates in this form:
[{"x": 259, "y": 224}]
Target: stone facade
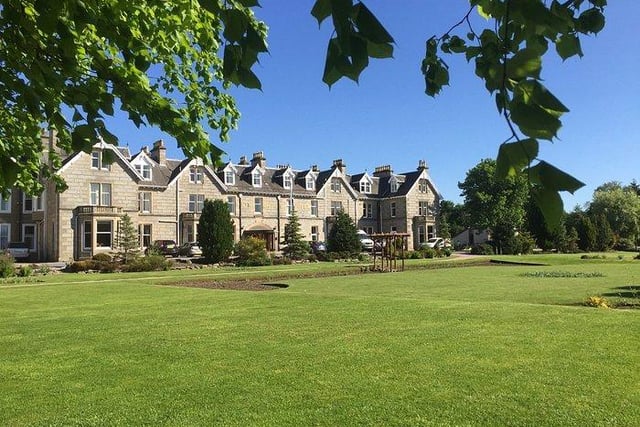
[{"x": 164, "y": 198}]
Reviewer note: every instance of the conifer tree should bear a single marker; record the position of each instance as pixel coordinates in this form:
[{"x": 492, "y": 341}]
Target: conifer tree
[
  {"x": 215, "y": 231},
  {"x": 127, "y": 241},
  {"x": 296, "y": 247},
  {"x": 343, "y": 236}
]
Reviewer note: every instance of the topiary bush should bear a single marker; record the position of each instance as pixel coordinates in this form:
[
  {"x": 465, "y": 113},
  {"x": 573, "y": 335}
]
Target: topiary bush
[{"x": 482, "y": 249}]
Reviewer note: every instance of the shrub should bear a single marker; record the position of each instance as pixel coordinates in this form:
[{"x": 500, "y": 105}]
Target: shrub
[
  {"x": 447, "y": 252},
  {"x": 585, "y": 256},
  {"x": 102, "y": 257},
  {"x": 281, "y": 261},
  {"x": 7, "y": 268},
  {"x": 24, "y": 271},
  {"x": 79, "y": 266},
  {"x": 482, "y": 249},
  {"x": 251, "y": 252},
  {"x": 428, "y": 253},
  {"x": 312, "y": 257},
  {"x": 625, "y": 245},
  {"x": 148, "y": 263}
]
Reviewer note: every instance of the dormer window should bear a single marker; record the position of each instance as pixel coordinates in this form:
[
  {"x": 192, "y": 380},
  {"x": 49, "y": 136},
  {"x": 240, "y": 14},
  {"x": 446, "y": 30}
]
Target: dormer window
[
  {"x": 422, "y": 185},
  {"x": 144, "y": 170},
  {"x": 98, "y": 161},
  {"x": 256, "y": 178},
  {"x": 287, "y": 181},
  {"x": 310, "y": 183},
  {"x": 335, "y": 185},
  {"x": 393, "y": 184},
  {"x": 365, "y": 186},
  {"x": 229, "y": 177},
  {"x": 195, "y": 175}
]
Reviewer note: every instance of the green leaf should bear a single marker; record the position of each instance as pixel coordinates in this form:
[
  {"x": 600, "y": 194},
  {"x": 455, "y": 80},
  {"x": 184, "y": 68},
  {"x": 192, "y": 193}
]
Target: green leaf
[
  {"x": 533, "y": 92},
  {"x": 513, "y": 157},
  {"x": 482, "y": 13},
  {"x": 369, "y": 25},
  {"x": 235, "y": 25},
  {"x": 591, "y": 21},
  {"x": 379, "y": 50},
  {"x": 550, "y": 204},
  {"x": 525, "y": 63},
  {"x": 248, "y": 79},
  {"x": 77, "y": 117},
  {"x": 534, "y": 121},
  {"x": 321, "y": 10},
  {"x": 210, "y": 5},
  {"x": 249, "y": 3},
  {"x": 334, "y": 57},
  {"x": 552, "y": 178},
  {"x": 568, "y": 45}
]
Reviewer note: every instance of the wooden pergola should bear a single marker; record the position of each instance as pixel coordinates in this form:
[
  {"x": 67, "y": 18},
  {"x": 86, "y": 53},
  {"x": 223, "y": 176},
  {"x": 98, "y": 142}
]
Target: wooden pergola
[{"x": 385, "y": 251}]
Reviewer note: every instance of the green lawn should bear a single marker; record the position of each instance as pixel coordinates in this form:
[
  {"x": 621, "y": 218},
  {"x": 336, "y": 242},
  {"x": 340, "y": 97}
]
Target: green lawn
[{"x": 481, "y": 345}]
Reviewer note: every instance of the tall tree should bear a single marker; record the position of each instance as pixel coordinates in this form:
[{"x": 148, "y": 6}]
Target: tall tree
[
  {"x": 83, "y": 58},
  {"x": 343, "y": 236},
  {"x": 127, "y": 241},
  {"x": 215, "y": 231},
  {"x": 296, "y": 246},
  {"x": 621, "y": 208},
  {"x": 579, "y": 221},
  {"x": 497, "y": 204}
]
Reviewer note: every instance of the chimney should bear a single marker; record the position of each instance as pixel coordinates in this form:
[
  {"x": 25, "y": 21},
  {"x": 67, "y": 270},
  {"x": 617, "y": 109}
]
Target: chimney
[
  {"x": 314, "y": 168},
  {"x": 243, "y": 161},
  {"x": 338, "y": 163},
  {"x": 422, "y": 165},
  {"x": 258, "y": 159},
  {"x": 159, "y": 152},
  {"x": 382, "y": 171}
]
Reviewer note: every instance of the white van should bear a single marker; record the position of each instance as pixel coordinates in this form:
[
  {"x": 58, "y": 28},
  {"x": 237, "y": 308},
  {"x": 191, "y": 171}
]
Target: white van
[{"x": 365, "y": 240}]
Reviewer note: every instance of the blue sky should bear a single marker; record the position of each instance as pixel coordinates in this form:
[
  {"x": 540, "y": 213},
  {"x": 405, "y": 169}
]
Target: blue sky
[{"x": 387, "y": 118}]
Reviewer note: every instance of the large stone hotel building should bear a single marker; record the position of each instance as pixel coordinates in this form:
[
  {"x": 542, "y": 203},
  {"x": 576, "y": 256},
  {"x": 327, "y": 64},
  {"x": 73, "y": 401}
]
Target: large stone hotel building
[{"x": 164, "y": 198}]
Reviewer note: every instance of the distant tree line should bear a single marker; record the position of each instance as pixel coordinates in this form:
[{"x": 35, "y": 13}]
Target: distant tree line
[{"x": 507, "y": 207}]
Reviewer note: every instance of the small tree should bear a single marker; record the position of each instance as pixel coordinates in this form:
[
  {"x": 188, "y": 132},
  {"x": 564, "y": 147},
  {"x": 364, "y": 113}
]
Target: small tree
[
  {"x": 604, "y": 234},
  {"x": 252, "y": 251},
  {"x": 343, "y": 236},
  {"x": 215, "y": 231},
  {"x": 296, "y": 247},
  {"x": 127, "y": 241}
]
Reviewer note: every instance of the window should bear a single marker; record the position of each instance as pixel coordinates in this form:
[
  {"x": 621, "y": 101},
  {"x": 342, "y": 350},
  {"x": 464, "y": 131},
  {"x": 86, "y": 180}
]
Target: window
[
  {"x": 231, "y": 204},
  {"x": 310, "y": 183},
  {"x": 195, "y": 175},
  {"x": 32, "y": 203},
  {"x": 393, "y": 209},
  {"x": 335, "y": 208},
  {"x": 430, "y": 232},
  {"x": 289, "y": 206},
  {"x": 365, "y": 186},
  {"x": 256, "y": 179},
  {"x": 335, "y": 185},
  {"x": 145, "y": 202},
  {"x": 196, "y": 203},
  {"x": 229, "y": 177},
  {"x": 422, "y": 237},
  {"x": 367, "y": 210},
  {"x": 145, "y": 235},
  {"x": 369, "y": 230},
  {"x": 5, "y": 204},
  {"x": 104, "y": 233},
  {"x": 86, "y": 235},
  {"x": 394, "y": 229},
  {"x": 100, "y": 194},
  {"x": 314, "y": 208},
  {"x": 98, "y": 161},
  {"x": 144, "y": 170},
  {"x": 190, "y": 233},
  {"x": 422, "y": 185},
  {"x": 287, "y": 181},
  {"x": 314, "y": 233},
  {"x": 257, "y": 205},
  {"x": 5, "y": 232},
  {"x": 29, "y": 236},
  {"x": 423, "y": 208},
  {"x": 393, "y": 184}
]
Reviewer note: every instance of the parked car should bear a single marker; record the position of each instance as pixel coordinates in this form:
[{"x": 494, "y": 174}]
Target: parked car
[
  {"x": 365, "y": 240},
  {"x": 164, "y": 247},
  {"x": 190, "y": 249},
  {"x": 18, "y": 250},
  {"x": 436, "y": 243},
  {"x": 317, "y": 247}
]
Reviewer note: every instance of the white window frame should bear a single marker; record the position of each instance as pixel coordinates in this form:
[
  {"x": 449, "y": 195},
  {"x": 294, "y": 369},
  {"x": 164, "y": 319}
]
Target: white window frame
[
  {"x": 5, "y": 204},
  {"x": 229, "y": 177},
  {"x": 99, "y": 194},
  {"x": 110, "y": 233},
  {"x": 314, "y": 233},
  {"x": 422, "y": 185},
  {"x": 87, "y": 234},
  {"x": 367, "y": 210},
  {"x": 287, "y": 181},
  {"x": 196, "y": 203},
  {"x": 336, "y": 206},
  {"x": 97, "y": 161},
  {"x": 145, "y": 202},
  {"x": 290, "y": 206},
  {"x": 336, "y": 187},
  {"x": 365, "y": 186},
  {"x": 5, "y": 236},
  {"x": 256, "y": 179},
  {"x": 393, "y": 185},
  {"x": 196, "y": 175},
  {"x": 145, "y": 236},
  {"x": 34, "y": 236},
  {"x": 144, "y": 170},
  {"x": 423, "y": 208},
  {"x": 231, "y": 204},
  {"x": 258, "y": 206},
  {"x": 37, "y": 203},
  {"x": 314, "y": 208},
  {"x": 310, "y": 183}
]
